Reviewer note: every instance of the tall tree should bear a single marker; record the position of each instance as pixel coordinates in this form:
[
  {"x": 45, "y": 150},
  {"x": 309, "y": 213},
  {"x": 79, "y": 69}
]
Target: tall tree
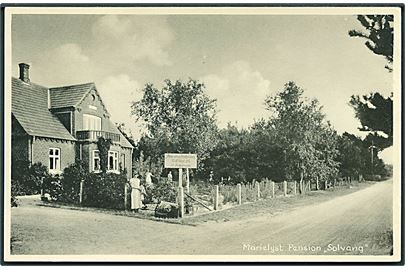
[
  {"x": 375, "y": 113},
  {"x": 353, "y": 155},
  {"x": 307, "y": 139},
  {"x": 379, "y": 34},
  {"x": 180, "y": 118}
]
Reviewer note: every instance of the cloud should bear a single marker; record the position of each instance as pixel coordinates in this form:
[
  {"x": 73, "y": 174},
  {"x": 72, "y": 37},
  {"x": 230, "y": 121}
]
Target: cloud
[
  {"x": 65, "y": 64},
  {"x": 134, "y": 38},
  {"x": 118, "y": 92},
  {"x": 388, "y": 155},
  {"x": 240, "y": 92}
]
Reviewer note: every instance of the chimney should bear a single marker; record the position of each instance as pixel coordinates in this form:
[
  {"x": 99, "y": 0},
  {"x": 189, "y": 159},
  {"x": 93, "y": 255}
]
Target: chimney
[{"x": 24, "y": 72}]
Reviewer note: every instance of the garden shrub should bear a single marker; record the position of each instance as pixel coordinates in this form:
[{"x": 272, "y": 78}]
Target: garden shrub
[
  {"x": 164, "y": 190},
  {"x": 104, "y": 190},
  {"x": 27, "y": 179},
  {"x": 70, "y": 181},
  {"x": 52, "y": 185}
]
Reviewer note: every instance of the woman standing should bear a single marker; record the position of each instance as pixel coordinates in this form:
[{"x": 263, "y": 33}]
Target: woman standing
[{"x": 136, "y": 192}]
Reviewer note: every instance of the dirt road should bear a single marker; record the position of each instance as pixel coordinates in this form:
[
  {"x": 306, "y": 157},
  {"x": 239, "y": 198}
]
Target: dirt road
[{"x": 357, "y": 223}]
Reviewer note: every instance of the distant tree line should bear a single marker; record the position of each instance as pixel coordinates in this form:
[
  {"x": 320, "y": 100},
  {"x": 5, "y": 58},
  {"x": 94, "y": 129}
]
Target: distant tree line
[{"x": 296, "y": 142}]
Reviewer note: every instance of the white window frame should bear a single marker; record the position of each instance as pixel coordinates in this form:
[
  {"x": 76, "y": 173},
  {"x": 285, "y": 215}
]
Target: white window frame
[
  {"x": 115, "y": 167},
  {"x": 93, "y": 160},
  {"x": 89, "y": 120},
  {"x": 54, "y": 160}
]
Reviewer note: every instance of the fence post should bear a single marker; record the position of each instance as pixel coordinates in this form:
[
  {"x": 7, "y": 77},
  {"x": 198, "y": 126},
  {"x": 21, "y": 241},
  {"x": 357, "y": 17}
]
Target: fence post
[
  {"x": 81, "y": 192},
  {"x": 239, "y": 193},
  {"x": 258, "y": 190},
  {"x": 285, "y": 187},
  {"x": 334, "y": 182},
  {"x": 125, "y": 196},
  {"x": 326, "y": 184},
  {"x": 216, "y": 198},
  {"x": 272, "y": 189},
  {"x": 187, "y": 180},
  {"x": 295, "y": 187},
  {"x": 181, "y": 201},
  {"x": 317, "y": 183},
  {"x": 180, "y": 177}
]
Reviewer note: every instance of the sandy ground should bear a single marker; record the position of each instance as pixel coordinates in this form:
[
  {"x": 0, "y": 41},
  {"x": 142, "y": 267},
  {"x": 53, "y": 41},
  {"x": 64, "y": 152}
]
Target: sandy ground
[{"x": 357, "y": 223}]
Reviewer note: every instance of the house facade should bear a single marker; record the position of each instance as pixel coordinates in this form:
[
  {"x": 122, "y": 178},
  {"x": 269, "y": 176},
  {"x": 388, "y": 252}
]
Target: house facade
[{"x": 57, "y": 126}]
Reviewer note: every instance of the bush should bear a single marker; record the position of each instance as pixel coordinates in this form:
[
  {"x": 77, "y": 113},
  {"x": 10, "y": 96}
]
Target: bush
[
  {"x": 70, "y": 181},
  {"x": 104, "y": 190},
  {"x": 164, "y": 190},
  {"x": 27, "y": 179},
  {"x": 373, "y": 177},
  {"x": 53, "y": 186}
]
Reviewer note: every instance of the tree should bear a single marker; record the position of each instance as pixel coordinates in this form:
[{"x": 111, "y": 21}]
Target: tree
[
  {"x": 307, "y": 139},
  {"x": 375, "y": 113},
  {"x": 180, "y": 118},
  {"x": 379, "y": 34},
  {"x": 353, "y": 155}
]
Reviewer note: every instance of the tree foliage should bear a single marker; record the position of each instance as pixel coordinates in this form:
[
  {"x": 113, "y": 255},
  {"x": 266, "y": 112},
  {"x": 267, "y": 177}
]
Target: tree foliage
[
  {"x": 379, "y": 34},
  {"x": 307, "y": 139},
  {"x": 375, "y": 113},
  {"x": 355, "y": 158},
  {"x": 242, "y": 155},
  {"x": 180, "y": 118}
]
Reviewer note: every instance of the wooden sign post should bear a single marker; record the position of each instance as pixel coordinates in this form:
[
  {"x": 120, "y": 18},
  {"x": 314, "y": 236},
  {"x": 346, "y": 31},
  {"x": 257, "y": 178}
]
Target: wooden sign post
[{"x": 181, "y": 161}]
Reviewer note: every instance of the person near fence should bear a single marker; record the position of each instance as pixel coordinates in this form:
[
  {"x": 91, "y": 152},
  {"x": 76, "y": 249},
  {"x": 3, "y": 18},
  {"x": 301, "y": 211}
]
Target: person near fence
[
  {"x": 211, "y": 179},
  {"x": 148, "y": 178},
  {"x": 136, "y": 191},
  {"x": 170, "y": 176}
]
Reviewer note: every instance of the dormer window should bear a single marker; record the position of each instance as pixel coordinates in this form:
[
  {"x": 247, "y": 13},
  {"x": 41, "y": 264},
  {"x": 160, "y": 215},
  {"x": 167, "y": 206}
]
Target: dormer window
[{"x": 91, "y": 122}]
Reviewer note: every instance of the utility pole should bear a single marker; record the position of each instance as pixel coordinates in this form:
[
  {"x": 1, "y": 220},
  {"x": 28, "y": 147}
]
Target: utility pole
[{"x": 371, "y": 148}]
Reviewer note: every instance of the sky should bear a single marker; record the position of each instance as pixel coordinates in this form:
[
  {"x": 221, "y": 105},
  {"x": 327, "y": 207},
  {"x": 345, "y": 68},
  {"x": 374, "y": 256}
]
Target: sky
[{"x": 240, "y": 58}]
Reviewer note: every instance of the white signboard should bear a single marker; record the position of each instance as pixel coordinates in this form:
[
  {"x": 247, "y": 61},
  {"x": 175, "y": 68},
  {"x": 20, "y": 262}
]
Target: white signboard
[{"x": 181, "y": 161}]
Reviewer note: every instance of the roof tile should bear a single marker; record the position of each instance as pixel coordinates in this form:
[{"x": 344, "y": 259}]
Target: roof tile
[{"x": 29, "y": 105}]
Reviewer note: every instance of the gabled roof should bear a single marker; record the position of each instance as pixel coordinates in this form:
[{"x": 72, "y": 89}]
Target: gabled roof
[
  {"x": 73, "y": 95},
  {"x": 124, "y": 142},
  {"x": 29, "y": 105},
  {"x": 69, "y": 96},
  {"x": 30, "y": 108}
]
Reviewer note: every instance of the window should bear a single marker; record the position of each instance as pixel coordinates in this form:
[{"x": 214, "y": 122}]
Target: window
[
  {"x": 112, "y": 161},
  {"x": 54, "y": 159},
  {"x": 96, "y": 161},
  {"x": 123, "y": 160},
  {"x": 91, "y": 122}
]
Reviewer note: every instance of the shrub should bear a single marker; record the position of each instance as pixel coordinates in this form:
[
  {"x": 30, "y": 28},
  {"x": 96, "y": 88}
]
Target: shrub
[
  {"x": 164, "y": 190},
  {"x": 70, "y": 181},
  {"x": 104, "y": 190},
  {"x": 53, "y": 186},
  {"x": 27, "y": 179}
]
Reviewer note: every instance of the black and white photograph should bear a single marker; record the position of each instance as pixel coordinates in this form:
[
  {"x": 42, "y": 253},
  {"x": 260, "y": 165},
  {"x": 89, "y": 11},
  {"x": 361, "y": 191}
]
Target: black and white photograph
[{"x": 202, "y": 133}]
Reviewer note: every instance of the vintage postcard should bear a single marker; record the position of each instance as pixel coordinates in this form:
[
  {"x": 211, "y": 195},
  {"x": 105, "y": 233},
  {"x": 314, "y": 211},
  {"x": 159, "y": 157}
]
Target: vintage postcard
[{"x": 202, "y": 134}]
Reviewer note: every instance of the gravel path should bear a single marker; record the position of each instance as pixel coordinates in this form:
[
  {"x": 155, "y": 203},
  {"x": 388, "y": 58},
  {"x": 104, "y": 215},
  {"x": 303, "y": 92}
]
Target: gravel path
[{"x": 356, "y": 223}]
